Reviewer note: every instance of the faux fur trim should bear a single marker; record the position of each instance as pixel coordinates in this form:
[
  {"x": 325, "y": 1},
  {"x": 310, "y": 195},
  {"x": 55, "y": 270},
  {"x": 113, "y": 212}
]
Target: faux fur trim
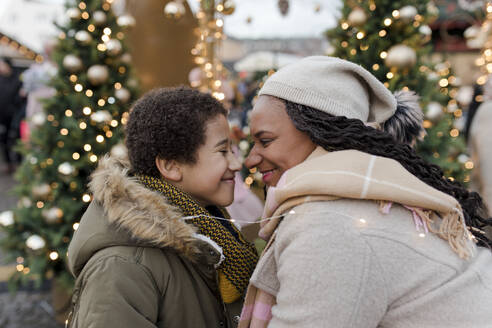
[
  {"x": 143, "y": 213},
  {"x": 214, "y": 245}
]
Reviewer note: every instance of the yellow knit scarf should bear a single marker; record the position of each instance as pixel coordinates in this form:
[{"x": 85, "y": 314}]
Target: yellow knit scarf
[{"x": 240, "y": 255}]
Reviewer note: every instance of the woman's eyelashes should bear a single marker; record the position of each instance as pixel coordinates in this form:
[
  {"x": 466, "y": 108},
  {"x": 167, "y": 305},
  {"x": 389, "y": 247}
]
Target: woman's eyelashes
[{"x": 265, "y": 142}]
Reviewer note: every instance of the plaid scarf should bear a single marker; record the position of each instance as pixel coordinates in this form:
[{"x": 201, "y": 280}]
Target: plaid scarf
[{"x": 240, "y": 255}]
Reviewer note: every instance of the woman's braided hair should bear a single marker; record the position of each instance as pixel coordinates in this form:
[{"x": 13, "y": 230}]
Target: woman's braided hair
[{"x": 340, "y": 133}]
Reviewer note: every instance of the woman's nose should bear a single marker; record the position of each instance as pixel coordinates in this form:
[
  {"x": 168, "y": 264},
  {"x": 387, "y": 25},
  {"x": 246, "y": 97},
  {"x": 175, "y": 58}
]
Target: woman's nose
[{"x": 252, "y": 160}]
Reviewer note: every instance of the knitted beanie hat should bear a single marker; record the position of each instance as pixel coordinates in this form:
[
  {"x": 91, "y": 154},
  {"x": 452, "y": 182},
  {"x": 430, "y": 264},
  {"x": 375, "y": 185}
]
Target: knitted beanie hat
[{"x": 341, "y": 88}]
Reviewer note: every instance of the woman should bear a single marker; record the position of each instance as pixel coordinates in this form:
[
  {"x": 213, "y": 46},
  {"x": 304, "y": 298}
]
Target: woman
[{"x": 362, "y": 232}]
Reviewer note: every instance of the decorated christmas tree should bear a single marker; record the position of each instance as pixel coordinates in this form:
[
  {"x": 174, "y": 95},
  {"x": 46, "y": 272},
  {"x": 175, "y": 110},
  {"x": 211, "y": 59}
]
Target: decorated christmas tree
[
  {"x": 391, "y": 40},
  {"x": 80, "y": 124}
]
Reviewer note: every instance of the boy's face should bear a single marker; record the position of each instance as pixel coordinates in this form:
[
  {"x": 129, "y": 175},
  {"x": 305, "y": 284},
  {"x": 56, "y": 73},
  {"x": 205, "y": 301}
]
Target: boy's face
[{"x": 210, "y": 180}]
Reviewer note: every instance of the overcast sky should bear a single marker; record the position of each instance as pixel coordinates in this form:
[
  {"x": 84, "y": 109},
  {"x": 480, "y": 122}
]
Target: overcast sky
[{"x": 266, "y": 20}]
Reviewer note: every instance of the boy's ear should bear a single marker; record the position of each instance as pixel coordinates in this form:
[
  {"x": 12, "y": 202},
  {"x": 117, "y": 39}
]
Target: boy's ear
[{"x": 169, "y": 169}]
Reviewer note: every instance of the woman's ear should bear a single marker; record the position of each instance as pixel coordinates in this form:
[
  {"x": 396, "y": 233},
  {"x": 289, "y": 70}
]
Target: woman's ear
[{"x": 169, "y": 169}]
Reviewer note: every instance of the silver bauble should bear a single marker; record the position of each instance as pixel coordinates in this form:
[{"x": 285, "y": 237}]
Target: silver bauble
[
  {"x": 41, "y": 191},
  {"x": 6, "y": 218},
  {"x": 357, "y": 17},
  {"x": 126, "y": 58},
  {"x": 122, "y": 95},
  {"x": 66, "y": 168},
  {"x": 101, "y": 116},
  {"x": 99, "y": 18},
  {"x": 425, "y": 30},
  {"x": 73, "y": 13},
  {"x": 113, "y": 47},
  {"x": 52, "y": 215},
  {"x": 126, "y": 21},
  {"x": 83, "y": 37},
  {"x": 174, "y": 10},
  {"x": 72, "y": 63},
  {"x": 98, "y": 74},
  {"x": 401, "y": 56},
  {"x": 434, "y": 111},
  {"x": 38, "y": 119},
  {"x": 35, "y": 242},
  {"x": 119, "y": 150},
  {"x": 24, "y": 202},
  {"x": 408, "y": 13}
]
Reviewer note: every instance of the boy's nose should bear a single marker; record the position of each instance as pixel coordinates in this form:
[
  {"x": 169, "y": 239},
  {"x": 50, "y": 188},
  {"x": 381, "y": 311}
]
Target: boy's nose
[
  {"x": 252, "y": 160},
  {"x": 234, "y": 163}
]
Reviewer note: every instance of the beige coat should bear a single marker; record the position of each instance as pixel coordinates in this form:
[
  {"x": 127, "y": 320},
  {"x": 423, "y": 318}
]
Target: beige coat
[{"x": 341, "y": 262}]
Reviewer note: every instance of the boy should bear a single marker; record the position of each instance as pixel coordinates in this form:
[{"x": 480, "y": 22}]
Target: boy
[{"x": 150, "y": 250}]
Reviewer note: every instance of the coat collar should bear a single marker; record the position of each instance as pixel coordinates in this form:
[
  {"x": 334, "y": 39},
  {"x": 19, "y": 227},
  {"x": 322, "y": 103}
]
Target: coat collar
[{"x": 126, "y": 213}]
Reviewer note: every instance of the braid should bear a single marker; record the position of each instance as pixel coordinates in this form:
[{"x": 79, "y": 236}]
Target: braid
[{"x": 340, "y": 133}]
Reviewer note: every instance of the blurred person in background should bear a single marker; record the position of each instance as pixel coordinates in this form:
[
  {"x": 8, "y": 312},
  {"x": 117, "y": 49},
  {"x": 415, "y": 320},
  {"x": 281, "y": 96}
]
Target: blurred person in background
[
  {"x": 479, "y": 139},
  {"x": 10, "y": 102}
]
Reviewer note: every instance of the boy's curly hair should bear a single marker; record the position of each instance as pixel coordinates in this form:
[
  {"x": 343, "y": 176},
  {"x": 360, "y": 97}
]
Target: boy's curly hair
[{"x": 168, "y": 123}]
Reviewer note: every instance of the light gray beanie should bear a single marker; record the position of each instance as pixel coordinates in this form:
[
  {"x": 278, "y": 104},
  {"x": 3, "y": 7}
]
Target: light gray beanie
[{"x": 334, "y": 86}]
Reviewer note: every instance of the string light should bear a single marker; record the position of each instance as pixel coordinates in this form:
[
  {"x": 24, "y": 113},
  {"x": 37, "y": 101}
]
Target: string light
[
  {"x": 99, "y": 138},
  {"x": 78, "y": 87},
  {"x": 82, "y": 125},
  {"x": 387, "y": 22},
  {"x": 75, "y": 156},
  {"x": 53, "y": 256},
  {"x": 68, "y": 113},
  {"x": 383, "y": 54},
  {"x": 75, "y": 226},
  {"x": 86, "y": 198},
  {"x": 87, "y": 111},
  {"x": 87, "y": 147},
  {"x": 89, "y": 93},
  {"x": 93, "y": 158}
]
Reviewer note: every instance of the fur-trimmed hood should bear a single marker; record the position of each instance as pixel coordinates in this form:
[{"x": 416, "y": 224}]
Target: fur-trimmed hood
[{"x": 125, "y": 213}]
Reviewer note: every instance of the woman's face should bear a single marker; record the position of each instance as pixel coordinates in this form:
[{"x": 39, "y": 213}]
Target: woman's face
[{"x": 278, "y": 145}]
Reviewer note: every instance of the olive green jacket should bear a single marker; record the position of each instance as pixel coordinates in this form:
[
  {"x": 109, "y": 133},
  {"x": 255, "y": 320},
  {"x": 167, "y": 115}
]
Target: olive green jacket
[{"x": 138, "y": 264}]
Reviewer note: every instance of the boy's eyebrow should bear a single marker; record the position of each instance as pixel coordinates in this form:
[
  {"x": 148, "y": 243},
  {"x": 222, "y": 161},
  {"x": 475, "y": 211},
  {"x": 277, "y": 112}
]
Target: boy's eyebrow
[{"x": 222, "y": 142}]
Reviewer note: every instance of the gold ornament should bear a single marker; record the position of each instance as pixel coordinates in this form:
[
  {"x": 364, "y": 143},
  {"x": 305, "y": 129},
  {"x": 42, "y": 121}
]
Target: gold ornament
[
  {"x": 99, "y": 18},
  {"x": 228, "y": 7},
  {"x": 113, "y": 47},
  {"x": 73, "y": 14},
  {"x": 52, "y": 215},
  {"x": 98, "y": 74},
  {"x": 122, "y": 95},
  {"x": 174, "y": 10},
  {"x": 401, "y": 56},
  {"x": 83, "y": 37}
]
